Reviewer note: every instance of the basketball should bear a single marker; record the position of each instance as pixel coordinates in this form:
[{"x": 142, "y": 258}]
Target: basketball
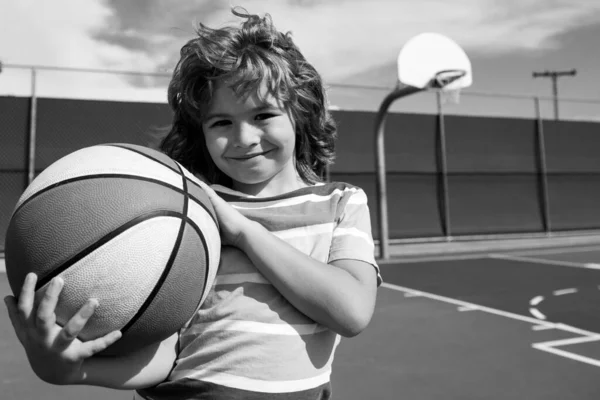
[{"x": 126, "y": 225}]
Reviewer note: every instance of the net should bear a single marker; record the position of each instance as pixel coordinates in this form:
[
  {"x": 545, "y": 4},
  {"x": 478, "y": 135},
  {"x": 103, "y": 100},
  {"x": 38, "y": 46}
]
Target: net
[{"x": 450, "y": 96}]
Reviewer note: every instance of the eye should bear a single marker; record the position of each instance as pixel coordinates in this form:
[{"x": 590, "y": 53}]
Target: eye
[
  {"x": 264, "y": 116},
  {"x": 219, "y": 123}
]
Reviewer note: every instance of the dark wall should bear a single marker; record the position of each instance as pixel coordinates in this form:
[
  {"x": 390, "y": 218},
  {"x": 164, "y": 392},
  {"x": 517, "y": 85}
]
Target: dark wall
[
  {"x": 573, "y": 160},
  {"x": 66, "y": 125},
  {"x": 14, "y": 116},
  {"x": 493, "y": 164}
]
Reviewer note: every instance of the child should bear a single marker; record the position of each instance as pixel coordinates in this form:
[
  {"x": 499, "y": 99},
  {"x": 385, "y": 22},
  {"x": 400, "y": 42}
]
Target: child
[{"x": 297, "y": 267}]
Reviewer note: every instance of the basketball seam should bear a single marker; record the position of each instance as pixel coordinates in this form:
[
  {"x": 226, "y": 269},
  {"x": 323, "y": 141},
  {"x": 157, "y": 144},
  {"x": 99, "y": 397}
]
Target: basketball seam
[
  {"x": 178, "y": 170},
  {"x": 120, "y": 176},
  {"x": 125, "y": 147},
  {"x": 105, "y": 239},
  {"x": 206, "y": 257},
  {"x": 167, "y": 269}
]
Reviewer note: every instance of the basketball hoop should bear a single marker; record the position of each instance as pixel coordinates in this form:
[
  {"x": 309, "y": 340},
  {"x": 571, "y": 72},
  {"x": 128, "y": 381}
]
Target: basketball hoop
[
  {"x": 443, "y": 84},
  {"x": 428, "y": 61},
  {"x": 434, "y": 62}
]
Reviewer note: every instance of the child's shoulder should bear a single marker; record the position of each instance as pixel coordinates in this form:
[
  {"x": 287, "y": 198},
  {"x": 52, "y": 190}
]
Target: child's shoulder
[{"x": 342, "y": 189}]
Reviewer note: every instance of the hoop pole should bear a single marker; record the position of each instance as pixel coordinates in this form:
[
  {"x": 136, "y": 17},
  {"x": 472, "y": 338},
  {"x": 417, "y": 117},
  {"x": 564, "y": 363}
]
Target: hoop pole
[
  {"x": 32, "y": 129},
  {"x": 542, "y": 167},
  {"x": 382, "y": 210},
  {"x": 443, "y": 162}
]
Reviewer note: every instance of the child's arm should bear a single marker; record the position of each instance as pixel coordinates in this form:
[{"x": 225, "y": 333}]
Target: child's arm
[
  {"x": 340, "y": 295},
  {"x": 147, "y": 367},
  {"x": 58, "y": 357}
]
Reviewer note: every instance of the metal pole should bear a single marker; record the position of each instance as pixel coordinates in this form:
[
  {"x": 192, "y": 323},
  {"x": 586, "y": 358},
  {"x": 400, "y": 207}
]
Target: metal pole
[
  {"x": 444, "y": 168},
  {"x": 555, "y": 96},
  {"x": 32, "y": 129},
  {"x": 554, "y": 75},
  {"x": 382, "y": 210},
  {"x": 543, "y": 172}
]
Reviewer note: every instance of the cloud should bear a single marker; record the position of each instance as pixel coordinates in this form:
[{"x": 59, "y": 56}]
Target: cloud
[
  {"x": 59, "y": 33},
  {"x": 342, "y": 38}
]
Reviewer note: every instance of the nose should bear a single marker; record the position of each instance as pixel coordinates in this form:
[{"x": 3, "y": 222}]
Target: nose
[{"x": 246, "y": 135}]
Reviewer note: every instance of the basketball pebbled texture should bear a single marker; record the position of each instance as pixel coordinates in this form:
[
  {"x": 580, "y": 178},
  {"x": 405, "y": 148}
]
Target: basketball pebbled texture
[{"x": 124, "y": 224}]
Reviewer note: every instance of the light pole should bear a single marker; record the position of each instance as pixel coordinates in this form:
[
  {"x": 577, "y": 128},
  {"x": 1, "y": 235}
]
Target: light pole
[{"x": 554, "y": 75}]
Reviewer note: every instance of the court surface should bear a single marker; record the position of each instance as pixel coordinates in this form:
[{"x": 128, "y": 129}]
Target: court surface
[{"x": 512, "y": 325}]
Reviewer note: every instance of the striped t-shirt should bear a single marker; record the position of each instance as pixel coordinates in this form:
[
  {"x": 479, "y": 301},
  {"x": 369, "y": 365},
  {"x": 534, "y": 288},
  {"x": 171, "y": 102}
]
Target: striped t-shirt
[{"x": 247, "y": 341}]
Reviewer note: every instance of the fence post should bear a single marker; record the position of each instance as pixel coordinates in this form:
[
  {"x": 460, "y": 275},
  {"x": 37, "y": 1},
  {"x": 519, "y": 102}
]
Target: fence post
[
  {"x": 442, "y": 154},
  {"x": 543, "y": 173},
  {"x": 32, "y": 129}
]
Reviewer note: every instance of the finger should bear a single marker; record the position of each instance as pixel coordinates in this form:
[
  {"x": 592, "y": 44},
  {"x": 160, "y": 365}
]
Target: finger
[
  {"x": 15, "y": 318},
  {"x": 27, "y": 296},
  {"x": 45, "y": 316},
  {"x": 75, "y": 325},
  {"x": 95, "y": 346}
]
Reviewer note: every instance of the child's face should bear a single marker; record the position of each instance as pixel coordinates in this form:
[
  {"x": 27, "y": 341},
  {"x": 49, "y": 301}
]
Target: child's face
[{"x": 252, "y": 141}]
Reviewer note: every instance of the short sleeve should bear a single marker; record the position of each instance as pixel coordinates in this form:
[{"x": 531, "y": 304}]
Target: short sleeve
[{"x": 352, "y": 237}]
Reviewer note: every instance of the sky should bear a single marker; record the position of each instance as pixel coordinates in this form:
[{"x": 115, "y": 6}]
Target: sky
[{"x": 354, "y": 44}]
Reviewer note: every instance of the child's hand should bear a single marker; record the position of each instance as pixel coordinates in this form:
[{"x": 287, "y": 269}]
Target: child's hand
[
  {"x": 54, "y": 352},
  {"x": 231, "y": 222}
]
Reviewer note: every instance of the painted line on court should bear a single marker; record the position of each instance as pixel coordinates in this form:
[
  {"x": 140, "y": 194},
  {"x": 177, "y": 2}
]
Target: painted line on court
[
  {"x": 551, "y": 347},
  {"x": 469, "y": 308},
  {"x": 554, "y": 250},
  {"x": 533, "y": 310},
  {"x": 536, "y": 300},
  {"x": 533, "y": 260},
  {"x": 461, "y": 303},
  {"x": 541, "y": 328},
  {"x": 479, "y": 254},
  {"x": 562, "y": 292},
  {"x": 537, "y": 313},
  {"x": 548, "y": 346},
  {"x": 418, "y": 259}
]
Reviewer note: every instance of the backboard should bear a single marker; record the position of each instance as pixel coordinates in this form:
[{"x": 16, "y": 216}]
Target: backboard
[{"x": 432, "y": 60}]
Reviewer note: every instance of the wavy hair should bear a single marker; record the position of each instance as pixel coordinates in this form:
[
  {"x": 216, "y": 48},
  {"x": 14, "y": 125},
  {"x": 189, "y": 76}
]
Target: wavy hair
[{"x": 246, "y": 57}]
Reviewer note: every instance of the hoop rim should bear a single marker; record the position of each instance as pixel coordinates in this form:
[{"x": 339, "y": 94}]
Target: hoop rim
[{"x": 443, "y": 79}]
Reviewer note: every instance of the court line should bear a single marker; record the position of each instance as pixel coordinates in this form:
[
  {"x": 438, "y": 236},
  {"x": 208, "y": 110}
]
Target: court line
[
  {"x": 562, "y": 292},
  {"x": 544, "y": 261},
  {"x": 536, "y": 300},
  {"x": 466, "y": 304},
  {"x": 416, "y": 259},
  {"x": 548, "y": 346},
  {"x": 567, "y": 354},
  {"x": 541, "y": 328},
  {"x": 536, "y": 313},
  {"x": 556, "y": 250},
  {"x": 478, "y": 254}
]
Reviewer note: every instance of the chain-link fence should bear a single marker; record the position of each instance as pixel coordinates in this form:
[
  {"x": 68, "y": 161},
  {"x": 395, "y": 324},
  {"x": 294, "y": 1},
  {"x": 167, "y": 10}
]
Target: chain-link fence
[{"x": 490, "y": 165}]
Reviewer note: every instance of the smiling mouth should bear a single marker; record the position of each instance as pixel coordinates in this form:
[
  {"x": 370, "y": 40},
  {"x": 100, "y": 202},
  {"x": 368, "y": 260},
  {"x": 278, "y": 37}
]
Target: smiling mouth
[{"x": 249, "y": 156}]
